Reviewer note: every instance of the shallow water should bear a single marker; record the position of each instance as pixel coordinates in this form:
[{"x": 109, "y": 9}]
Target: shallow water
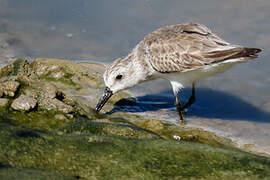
[{"x": 236, "y": 103}]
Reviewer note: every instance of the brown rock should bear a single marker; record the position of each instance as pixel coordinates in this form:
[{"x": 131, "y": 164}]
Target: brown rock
[
  {"x": 31, "y": 92},
  {"x": 55, "y": 104},
  {"x": 3, "y": 102},
  {"x": 49, "y": 90},
  {"x": 89, "y": 74},
  {"x": 9, "y": 88},
  {"x": 24, "y": 103},
  {"x": 60, "y": 117}
]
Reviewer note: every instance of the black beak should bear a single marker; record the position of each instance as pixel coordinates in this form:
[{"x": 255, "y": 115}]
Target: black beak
[{"x": 102, "y": 101}]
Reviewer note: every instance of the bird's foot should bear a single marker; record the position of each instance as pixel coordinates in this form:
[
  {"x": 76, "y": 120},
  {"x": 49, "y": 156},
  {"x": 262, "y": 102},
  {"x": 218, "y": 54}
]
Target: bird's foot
[
  {"x": 182, "y": 122},
  {"x": 181, "y": 113}
]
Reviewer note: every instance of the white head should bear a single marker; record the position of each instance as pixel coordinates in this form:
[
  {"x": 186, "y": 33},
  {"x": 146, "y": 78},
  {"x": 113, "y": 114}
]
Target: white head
[{"x": 122, "y": 74}]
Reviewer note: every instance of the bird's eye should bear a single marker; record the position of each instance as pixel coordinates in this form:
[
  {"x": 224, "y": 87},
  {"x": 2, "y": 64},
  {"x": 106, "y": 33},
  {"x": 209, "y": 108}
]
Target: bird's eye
[{"x": 118, "y": 77}]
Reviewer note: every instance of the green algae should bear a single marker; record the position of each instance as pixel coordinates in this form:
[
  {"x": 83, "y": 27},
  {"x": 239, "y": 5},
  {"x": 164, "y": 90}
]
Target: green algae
[
  {"x": 169, "y": 130},
  {"x": 9, "y": 173},
  {"x": 18, "y": 67},
  {"x": 109, "y": 129},
  {"x": 42, "y": 119},
  {"x": 87, "y": 145},
  {"x": 106, "y": 157},
  {"x": 66, "y": 79}
]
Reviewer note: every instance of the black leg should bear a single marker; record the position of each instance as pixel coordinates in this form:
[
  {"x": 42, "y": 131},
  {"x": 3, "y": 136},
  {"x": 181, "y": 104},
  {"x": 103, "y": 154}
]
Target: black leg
[
  {"x": 180, "y": 108},
  {"x": 191, "y": 100}
]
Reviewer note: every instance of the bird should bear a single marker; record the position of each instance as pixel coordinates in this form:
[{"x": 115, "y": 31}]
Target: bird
[{"x": 181, "y": 54}]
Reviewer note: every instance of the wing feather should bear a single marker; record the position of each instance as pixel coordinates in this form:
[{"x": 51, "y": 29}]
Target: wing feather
[{"x": 185, "y": 47}]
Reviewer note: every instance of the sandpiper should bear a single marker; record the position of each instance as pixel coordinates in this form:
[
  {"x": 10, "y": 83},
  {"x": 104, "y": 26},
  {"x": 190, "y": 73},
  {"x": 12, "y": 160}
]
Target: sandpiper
[{"x": 181, "y": 53}]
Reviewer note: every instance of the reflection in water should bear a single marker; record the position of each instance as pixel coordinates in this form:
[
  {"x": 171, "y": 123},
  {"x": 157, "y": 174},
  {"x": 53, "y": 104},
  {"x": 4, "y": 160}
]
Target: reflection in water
[
  {"x": 105, "y": 30},
  {"x": 209, "y": 104}
]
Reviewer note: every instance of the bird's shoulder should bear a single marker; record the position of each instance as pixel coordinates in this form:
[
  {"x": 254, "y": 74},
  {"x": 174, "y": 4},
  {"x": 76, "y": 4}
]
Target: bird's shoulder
[{"x": 172, "y": 31}]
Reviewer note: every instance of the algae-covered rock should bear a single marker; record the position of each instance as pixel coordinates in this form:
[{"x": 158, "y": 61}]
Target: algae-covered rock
[
  {"x": 60, "y": 117},
  {"x": 18, "y": 67},
  {"x": 153, "y": 124},
  {"x": 24, "y": 103},
  {"x": 3, "y": 102},
  {"x": 90, "y": 156},
  {"x": 68, "y": 72},
  {"x": 61, "y": 136},
  {"x": 8, "y": 88},
  {"x": 39, "y": 120},
  {"x": 55, "y": 104},
  {"x": 10, "y": 173},
  {"x": 109, "y": 129},
  {"x": 49, "y": 90}
]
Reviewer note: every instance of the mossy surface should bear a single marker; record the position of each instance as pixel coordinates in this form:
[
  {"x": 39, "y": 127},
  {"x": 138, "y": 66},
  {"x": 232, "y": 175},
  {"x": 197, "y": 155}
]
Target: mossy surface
[
  {"x": 108, "y": 157},
  {"x": 168, "y": 130},
  {"x": 19, "y": 66},
  {"x": 9, "y": 173},
  {"x": 109, "y": 129},
  {"x": 41, "y": 120},
  {"x": 66, "y": 79}
]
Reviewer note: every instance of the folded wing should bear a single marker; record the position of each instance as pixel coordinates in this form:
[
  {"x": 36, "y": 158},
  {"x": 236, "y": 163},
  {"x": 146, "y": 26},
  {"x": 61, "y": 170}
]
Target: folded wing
[{"x": 185, "y": 47}]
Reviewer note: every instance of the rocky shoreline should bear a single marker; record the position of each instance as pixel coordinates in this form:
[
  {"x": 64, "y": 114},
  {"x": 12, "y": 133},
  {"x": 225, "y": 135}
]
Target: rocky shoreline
[{"x": 49, "y": 128}]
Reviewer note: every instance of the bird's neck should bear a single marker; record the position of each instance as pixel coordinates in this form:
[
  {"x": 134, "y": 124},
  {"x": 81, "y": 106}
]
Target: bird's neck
[{"x": 138, "y": 67}]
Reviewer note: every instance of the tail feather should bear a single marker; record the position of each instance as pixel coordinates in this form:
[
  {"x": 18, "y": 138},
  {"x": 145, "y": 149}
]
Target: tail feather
[{"x": 244, "y": 53}]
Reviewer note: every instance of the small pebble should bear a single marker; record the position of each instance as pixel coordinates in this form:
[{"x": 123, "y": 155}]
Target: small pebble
[{"x": 176, "y": 137}]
